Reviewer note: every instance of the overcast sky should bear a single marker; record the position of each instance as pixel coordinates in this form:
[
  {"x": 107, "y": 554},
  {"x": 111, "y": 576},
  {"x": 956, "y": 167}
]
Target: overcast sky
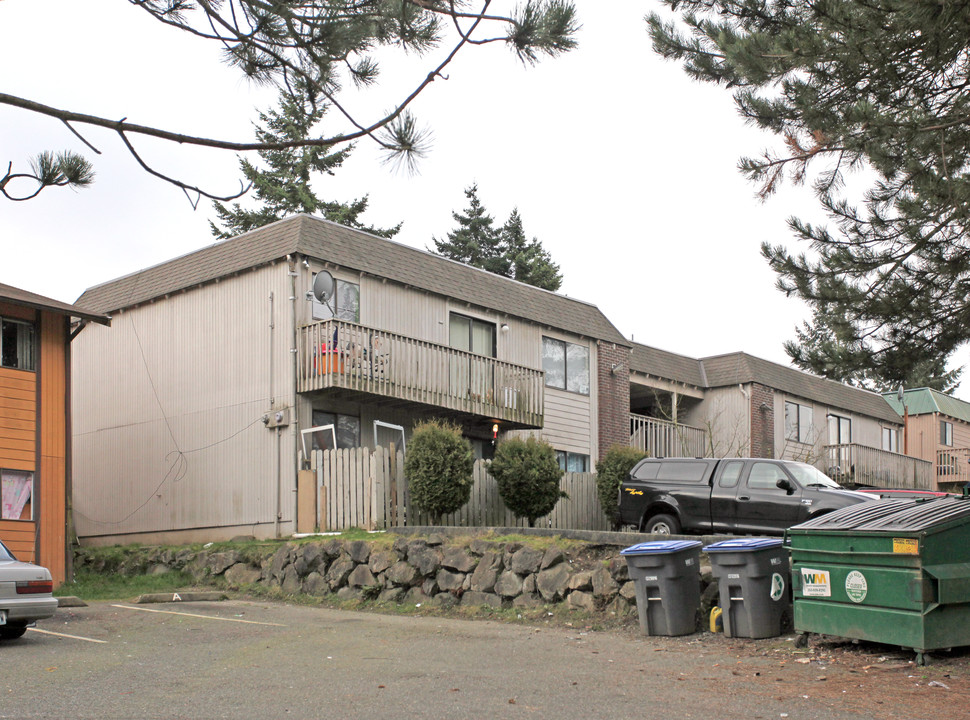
[{"x": 622, "y": 166}]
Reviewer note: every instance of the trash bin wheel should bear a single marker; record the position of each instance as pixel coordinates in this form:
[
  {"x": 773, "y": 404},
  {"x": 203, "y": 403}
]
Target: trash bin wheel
[{"x": 802, "y": 641}]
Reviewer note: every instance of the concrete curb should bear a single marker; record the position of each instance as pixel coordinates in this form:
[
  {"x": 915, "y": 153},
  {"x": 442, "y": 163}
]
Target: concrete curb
[
  {"x": 70, "y": 601},
  {"x": 180, "y": 597}
]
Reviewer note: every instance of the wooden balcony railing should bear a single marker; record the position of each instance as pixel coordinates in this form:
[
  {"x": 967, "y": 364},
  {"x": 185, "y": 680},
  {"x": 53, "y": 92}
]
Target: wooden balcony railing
[
  {"x": 952, "y": 467},
  {"x": 662, "y": 438},
  {"x": 860, "y": 464},
  {"x": 340, "y": 354}
]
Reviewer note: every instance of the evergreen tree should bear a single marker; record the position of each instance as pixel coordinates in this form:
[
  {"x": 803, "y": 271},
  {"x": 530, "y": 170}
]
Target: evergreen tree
[
  {"x": 321, "y": 45},
  {"x": 284, "y": 187},
  {"x": 879, "y": 86},
  {"x": 503, "y": 251},
  {"x": 476, "y": 242},
  {"x": 530, "y": 263}
]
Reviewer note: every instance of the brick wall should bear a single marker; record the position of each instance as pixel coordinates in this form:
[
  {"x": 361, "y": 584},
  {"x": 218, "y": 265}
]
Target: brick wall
[
  {"x": 613, "y": 396},
  {"x": 762, "y": 421}
]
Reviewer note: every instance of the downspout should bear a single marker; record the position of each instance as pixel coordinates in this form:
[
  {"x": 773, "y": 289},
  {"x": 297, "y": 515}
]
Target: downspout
[{"x": 291, "y": 388}]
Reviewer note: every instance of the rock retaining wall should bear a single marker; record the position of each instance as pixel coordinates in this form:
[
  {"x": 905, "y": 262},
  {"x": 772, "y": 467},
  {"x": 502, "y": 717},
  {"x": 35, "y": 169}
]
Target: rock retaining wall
[{"x": 412, "y": 570}]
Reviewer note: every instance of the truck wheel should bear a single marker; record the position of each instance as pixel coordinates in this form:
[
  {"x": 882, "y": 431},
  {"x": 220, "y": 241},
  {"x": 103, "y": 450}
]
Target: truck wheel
[{"x": 662, "y": 525}]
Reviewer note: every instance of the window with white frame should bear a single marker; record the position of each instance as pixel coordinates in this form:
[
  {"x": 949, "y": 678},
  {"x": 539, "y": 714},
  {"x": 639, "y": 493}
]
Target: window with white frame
[
  {"x": 17, "y": 344},
  {"x": 566, "y": 365},
  {"x": 344, "y": 305},
  {"x": 346, "y": 429},
  {"x": 16, "y": 493},
  {"x": 798, "y": 422},
  {"x": 890, "y": 439},
  {"x": 946, "y": 433}
]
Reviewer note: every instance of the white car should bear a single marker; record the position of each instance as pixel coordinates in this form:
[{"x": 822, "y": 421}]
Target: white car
[{"x": 25, "y": 595}]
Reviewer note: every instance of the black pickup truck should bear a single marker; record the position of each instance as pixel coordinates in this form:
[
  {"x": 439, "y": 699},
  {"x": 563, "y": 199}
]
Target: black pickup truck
[{"x": 733, "y": 495}]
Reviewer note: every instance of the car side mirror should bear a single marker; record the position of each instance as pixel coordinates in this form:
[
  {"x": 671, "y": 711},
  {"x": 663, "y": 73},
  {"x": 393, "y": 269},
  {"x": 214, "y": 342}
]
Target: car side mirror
[{"x": 786, "y": 485}]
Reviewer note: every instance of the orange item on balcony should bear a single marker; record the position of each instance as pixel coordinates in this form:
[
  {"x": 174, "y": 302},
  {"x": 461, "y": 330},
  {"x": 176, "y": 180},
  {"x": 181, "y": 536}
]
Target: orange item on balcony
[{"x": 332, "y": 362}]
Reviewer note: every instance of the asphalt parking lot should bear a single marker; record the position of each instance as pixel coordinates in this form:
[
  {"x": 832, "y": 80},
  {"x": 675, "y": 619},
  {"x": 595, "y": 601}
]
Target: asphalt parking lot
[{"x": 245, "y": 659}]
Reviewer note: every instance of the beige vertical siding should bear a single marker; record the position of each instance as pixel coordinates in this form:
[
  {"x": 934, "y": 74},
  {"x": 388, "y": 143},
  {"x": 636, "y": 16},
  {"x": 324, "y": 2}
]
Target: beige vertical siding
[
  {"x": 167, "y": 408},
  {"x": 865, "y": 430},
  {"x": 725, "y": 414}
]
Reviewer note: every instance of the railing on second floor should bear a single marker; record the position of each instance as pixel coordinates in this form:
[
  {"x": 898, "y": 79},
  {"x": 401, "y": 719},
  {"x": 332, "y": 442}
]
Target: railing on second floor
[
  {"x": 953, "y": 466},
  {"x": 662, "y": 438},
  {"x": 340, "y": 354},
  {"x": 860, "y": 464}
]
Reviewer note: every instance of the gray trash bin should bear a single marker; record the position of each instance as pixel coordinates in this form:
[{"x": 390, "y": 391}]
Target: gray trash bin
[
  {"x": 666, "y": 577},
  {"x": 753, "y": 591}
]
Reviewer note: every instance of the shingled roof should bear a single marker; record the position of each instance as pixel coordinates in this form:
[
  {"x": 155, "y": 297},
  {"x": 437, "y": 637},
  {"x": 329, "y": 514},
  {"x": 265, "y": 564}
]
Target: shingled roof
[
  {"x": 24, "y": 298},
  {"x": 667, "y": 365},
  {"x": 741, "y": 368},
  {"x": 355, "y": 250}
]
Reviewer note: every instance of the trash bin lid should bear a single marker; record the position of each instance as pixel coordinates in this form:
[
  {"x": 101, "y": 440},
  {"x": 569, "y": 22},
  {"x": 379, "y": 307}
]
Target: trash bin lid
[
  {"x": 744, "y": 545},
  {"x": 909, "y": 515},
  {"x": 660, "y": 546}
]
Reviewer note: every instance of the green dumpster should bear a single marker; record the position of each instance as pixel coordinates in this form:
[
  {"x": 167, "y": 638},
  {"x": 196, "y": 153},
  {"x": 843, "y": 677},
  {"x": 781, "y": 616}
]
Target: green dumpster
[{"x": 890, "y": 571}]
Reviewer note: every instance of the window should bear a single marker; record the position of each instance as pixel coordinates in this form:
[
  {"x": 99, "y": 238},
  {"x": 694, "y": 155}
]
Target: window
[
  {"x": 16, "y": 344},
  {"x": 798, "y": 422},
  {"x": 16, "y": 491},
  {"x": 346, "y": 428},
  {"x": 573, "y": 462},
  {"x": 566, "y": 365},
  {"x": 730, "y": 474},
  {"x": 344, "y": 305},
  {"x": 765, "y": 475},
  {"x": 946, "y": 433},
  {"x": 840, "y": 430},
  {"x": 471, "y": 335},
  {"x": 890, "y": 439}
]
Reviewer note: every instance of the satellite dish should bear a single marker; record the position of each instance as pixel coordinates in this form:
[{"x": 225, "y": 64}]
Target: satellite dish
[
  {"x": 899, "y": 394},
  {"x": 323, "y": 285}
]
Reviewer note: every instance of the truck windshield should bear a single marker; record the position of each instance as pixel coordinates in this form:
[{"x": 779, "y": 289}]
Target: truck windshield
[{"x": 809, "y": 476}]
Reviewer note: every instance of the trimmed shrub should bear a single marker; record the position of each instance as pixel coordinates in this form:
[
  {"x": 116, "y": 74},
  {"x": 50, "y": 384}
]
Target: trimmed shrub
[
  {"x": 612, "y": 470},
  {"x": 438, "y": 466},
  {"x": 528, "y": 474}
]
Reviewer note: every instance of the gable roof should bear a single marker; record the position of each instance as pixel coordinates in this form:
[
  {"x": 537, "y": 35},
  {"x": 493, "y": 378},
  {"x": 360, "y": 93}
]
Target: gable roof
[
  {"x": 925, "y": 401},
  {"x": 355, "y": 250},
  {"x": 741, "y": 369},
  {"x": 24, "y": 298}
]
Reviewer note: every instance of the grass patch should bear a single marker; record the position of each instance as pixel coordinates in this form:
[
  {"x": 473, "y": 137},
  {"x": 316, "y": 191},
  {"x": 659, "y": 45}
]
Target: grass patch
[{"x": 89, "y": 585}]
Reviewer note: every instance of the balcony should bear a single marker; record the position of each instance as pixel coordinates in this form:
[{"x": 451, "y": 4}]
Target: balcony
[
  {"x": 336, "y": 354},
  {"x": 952, "y": 468},
  {"x": 859, "y": 464},
  {"x": 662, "y": 438}
]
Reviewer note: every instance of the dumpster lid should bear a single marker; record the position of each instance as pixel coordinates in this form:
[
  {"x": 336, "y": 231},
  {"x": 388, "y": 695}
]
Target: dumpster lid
[
  {"x": 897, "y": 515},
  {"x": 660, "y": 546},
  {"x": 743, "y": 545}
]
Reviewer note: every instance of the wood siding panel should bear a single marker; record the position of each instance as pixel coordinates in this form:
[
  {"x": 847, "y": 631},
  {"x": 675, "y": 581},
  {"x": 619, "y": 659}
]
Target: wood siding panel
[
  {"x": 50, "y": 484},
  {"x": 168, "y": 407},
  {"x": 568, "y": 422},
  {"x": 18, "y": 419},
  {"x": 19, "y": 537}
]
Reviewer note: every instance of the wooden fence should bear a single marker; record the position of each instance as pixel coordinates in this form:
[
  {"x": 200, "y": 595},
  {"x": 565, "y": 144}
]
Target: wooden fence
[{"x": 367, "y": 489}]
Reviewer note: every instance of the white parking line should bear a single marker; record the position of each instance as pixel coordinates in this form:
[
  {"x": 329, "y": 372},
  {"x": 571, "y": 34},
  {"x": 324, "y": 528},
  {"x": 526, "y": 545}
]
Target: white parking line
[
  {"x": 65, "y": 635},
  {"x": 205, "y": 617}
]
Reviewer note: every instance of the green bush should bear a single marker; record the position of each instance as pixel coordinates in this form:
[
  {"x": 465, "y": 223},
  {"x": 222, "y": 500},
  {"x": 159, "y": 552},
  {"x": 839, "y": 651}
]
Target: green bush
[
  {"x": 438, "y": 466},
  {"x": 612, "y": 470},
  {"x": 527, "y": 473}
]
